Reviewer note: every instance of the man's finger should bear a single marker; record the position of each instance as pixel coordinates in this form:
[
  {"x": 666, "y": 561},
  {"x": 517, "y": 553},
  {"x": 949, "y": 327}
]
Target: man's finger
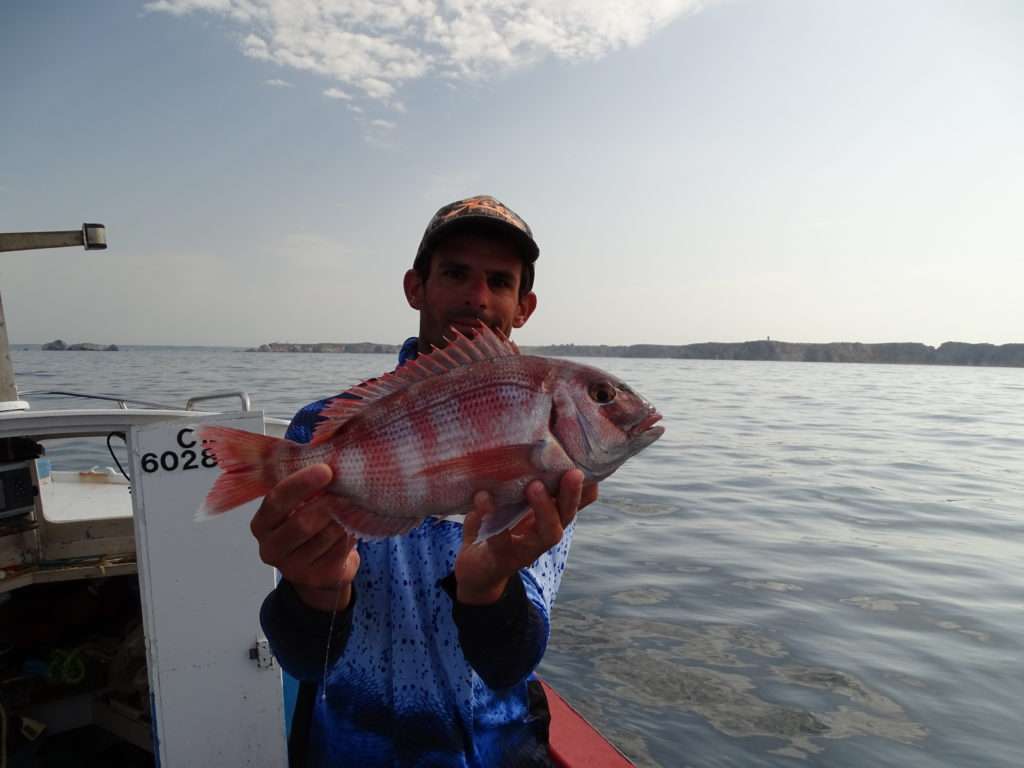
[
  {"x": 340, "y": 550},
  {"x": 570, "y": 492},
  {"x": 287, "y": 495},
  {"x": 346, "y": 556},
  {"x": 313, "y": 548},
  {"x": 336, "y": 567},
  {"x": 303, "y": 524},
  {"x": 589, "y": 495},
  {"x": 549, "y": 527},
  {"x": 525, "y": 526}
]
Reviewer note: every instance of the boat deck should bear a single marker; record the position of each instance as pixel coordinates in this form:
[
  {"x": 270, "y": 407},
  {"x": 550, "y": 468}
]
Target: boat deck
[{"x": 75, "y": 497}]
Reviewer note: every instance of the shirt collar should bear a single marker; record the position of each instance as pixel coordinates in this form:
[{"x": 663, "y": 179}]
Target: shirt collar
[{"x": 409, "y": 350}]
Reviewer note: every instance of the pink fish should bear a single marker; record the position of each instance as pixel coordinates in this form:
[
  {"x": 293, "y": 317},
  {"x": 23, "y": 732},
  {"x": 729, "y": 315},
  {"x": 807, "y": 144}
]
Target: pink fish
[{"x": 475, "y": 415}]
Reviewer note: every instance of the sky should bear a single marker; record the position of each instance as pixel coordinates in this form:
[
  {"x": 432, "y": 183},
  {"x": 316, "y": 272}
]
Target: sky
[{"x": 805, "y": 170}]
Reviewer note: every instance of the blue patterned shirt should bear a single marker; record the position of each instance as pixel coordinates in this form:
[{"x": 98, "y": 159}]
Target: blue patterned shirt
[{"x": 420, "y": 680}]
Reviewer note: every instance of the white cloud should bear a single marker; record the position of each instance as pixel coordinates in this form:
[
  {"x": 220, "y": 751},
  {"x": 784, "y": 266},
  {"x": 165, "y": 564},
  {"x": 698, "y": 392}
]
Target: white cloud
[
  {"x": 279, "y": 83},
  {"x": 374, "y": 46},
  {"x": 337, "y": 93},
  {"x": 379, "y": 133},
  {"x": 376, "y": 88},
  {"x": 256, "y": 47}
]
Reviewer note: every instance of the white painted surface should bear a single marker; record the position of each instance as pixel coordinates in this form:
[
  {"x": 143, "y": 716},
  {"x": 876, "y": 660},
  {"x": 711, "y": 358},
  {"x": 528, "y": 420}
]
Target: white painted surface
[
  {"x": 202, "y": 585},
  {"x": 75, "y": 496}
]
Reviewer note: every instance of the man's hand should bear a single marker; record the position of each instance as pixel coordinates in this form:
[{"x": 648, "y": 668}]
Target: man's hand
[
  {"x": 298, "y": 536},
  {"x": 482, "y": 570}
]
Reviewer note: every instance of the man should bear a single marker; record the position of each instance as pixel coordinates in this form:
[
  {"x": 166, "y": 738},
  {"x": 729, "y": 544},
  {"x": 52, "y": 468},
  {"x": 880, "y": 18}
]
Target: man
[{"x": 433, "y": 638}]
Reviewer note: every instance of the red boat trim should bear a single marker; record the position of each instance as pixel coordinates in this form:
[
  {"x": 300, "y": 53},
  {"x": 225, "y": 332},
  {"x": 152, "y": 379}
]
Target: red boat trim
[{"x": 575, "y": 743}]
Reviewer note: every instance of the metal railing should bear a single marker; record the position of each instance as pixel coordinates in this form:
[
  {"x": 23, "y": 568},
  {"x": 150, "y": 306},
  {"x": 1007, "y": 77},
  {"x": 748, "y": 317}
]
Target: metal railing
[{"x": 123, "y": 402}]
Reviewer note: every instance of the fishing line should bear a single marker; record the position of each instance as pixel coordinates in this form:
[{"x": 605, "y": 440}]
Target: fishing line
[{"x": 330, "y": 634}]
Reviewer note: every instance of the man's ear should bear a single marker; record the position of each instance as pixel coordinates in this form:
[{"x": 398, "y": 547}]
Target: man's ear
[
  {"x": 414, "y": 288},
  {"x": 524, "y": 309}
]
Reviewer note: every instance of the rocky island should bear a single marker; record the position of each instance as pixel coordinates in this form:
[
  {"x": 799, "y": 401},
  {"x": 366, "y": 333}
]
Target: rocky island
[
  {"x": 58, "y": 345},
  {"x": 909, "y": 353},
  {"x": 360, "y": 347}
]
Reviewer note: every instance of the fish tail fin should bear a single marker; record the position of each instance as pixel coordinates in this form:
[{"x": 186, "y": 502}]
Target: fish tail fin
[{"x": 245, "y": 461}]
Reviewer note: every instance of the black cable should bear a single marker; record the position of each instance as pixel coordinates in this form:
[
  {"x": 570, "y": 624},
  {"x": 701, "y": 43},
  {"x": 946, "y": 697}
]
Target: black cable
[{"x": 114, "y": 455}]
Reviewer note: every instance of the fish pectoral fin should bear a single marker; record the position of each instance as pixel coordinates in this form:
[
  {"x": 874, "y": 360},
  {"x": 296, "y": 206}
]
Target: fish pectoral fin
[
  {"x": 366, "y": 524},
  {"x": 494, "y": 465},
  {"x": 501, "y": 519}
]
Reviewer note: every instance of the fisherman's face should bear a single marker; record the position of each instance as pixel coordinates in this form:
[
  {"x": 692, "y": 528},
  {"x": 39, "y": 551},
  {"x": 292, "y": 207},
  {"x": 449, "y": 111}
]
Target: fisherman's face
[{"x": 472, "y": 279}]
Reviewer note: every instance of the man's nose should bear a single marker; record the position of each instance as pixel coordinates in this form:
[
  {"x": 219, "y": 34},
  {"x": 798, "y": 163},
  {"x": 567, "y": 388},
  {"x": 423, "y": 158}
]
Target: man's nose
[{"x": 477, "y": 292}]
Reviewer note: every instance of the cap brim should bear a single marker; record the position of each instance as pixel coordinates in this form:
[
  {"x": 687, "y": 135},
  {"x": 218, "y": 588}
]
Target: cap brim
[{"x": 482, "y": 225}]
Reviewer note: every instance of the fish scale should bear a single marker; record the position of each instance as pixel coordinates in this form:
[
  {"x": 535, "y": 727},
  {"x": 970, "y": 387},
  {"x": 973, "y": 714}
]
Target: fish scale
[
  {"x": 476, "y": 415},
  {"x": 405, "y": 443}
]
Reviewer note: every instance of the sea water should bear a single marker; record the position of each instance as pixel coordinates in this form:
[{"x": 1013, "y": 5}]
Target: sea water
[{"x": 817, "y": 564}]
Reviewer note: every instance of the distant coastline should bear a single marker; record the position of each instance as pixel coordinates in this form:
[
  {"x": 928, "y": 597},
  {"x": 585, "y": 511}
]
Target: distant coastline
[
  {"x": 361, "y": 347},
  {"x": 907, "y": 353}
]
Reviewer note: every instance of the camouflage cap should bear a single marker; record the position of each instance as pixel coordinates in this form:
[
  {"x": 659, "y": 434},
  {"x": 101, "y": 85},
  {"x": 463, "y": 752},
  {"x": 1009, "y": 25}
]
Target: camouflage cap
[{"x": 475, "y": 214}]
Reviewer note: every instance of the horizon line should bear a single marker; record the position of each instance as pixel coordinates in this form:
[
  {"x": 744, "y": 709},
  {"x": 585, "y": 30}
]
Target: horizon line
[{"x": 769, "y": 340}]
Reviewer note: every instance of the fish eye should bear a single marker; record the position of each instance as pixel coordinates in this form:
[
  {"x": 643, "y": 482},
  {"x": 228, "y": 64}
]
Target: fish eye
[{"x": 602, "y": 392}]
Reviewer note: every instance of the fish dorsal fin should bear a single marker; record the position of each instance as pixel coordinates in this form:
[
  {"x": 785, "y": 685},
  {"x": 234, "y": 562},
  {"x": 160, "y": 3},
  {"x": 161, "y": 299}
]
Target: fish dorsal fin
[{"x": 461, "y": 351}]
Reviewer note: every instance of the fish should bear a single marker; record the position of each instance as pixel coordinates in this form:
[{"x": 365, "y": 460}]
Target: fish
[{"x": 421, "y": 440}]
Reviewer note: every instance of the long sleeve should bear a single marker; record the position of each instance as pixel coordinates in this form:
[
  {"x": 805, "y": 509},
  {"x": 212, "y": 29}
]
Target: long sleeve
[
  {"x": 298, "y": 634},
  {"x": 505, "y": 641}
]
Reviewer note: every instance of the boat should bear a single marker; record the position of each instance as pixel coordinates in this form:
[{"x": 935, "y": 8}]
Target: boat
[
  {"x": 574, "y": 742},
  {"x": 125, "y": 637}
]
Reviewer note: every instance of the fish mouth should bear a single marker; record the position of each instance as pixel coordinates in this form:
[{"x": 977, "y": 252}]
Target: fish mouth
[{"x": 646, "y": 425}]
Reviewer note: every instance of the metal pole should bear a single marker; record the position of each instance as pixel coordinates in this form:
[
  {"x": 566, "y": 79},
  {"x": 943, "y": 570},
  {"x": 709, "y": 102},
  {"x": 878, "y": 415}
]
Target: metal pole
[
  {"x": 92, "y": 236},
  {"x": 8, "y": 390},
  {"x": 24, "y": 241}
]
